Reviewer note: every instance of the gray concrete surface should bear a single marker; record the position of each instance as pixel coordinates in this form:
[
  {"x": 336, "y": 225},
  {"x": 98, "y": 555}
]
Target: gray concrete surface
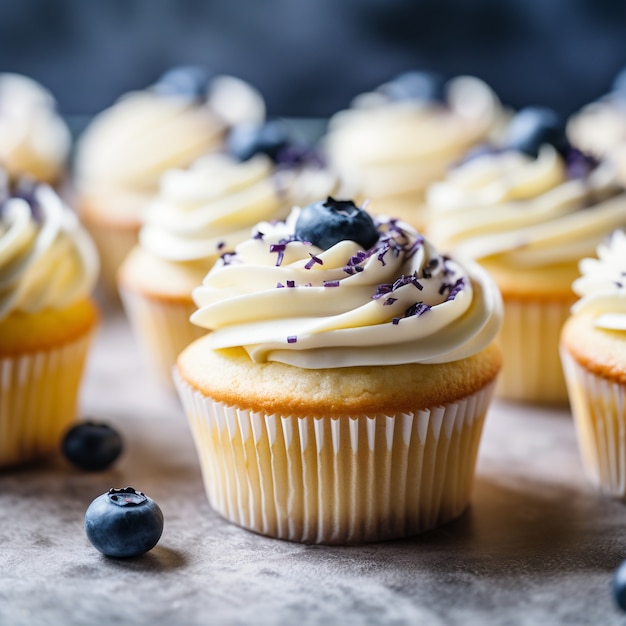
[{"x": 537, "y": 547}]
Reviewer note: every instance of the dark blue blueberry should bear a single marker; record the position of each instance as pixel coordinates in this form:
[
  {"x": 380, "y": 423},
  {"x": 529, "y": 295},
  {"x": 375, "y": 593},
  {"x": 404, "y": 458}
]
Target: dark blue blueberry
[
  {"x": 92, "y": 446},
  {"x": 619, "y": 84},
  {"x": 533, "y": 127},
  {"x": 189, "y": 81},
  {"x": 249, "y": 139},
  {"x": 123, "y": 523},
  {"x": 326, "y": 223},
  {"x": 619, "y": 586},
  {"x": 416, "y": 85}
]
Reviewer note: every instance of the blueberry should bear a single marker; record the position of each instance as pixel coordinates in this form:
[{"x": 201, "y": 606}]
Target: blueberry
[
  {"x": 123, "y": 523},
  {"x": 190, "y": 81},
  {"x": 326, "y": 223},
  {"x": 92, "y": 446},
  {"x": 534, "y": 126},
  {"x": 416, "y": 85},
  {"x": 249, "y": 138},
  {"x": 619, "y": 586}
]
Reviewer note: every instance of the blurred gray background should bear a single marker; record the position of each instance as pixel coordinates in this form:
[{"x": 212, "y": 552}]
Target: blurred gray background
[{"x": 310, "y": 57}]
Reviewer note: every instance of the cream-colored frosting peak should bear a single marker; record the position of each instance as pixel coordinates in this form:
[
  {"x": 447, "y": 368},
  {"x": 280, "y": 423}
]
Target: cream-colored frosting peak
[
  {"x": 286, "y": 300},
  {"x": 34, "y": 139},
  {"x": 207, "y": 209},
  {"x": 524, "y": 212},
  {"x": 385, "y": 148},
  {"x": 47, "y": 260},
  {"x": 602, "y": 286},
  {"x": 600, "y": 127}
]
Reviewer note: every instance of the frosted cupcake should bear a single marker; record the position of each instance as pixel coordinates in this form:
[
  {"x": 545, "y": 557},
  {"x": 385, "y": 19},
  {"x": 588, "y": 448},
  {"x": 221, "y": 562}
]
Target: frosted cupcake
[
  {"x": 48, "y": 267},
  {"x": 34, "y": 139},
  {"x": 593, "y": 351},
  {"x": 125, "y": 150},
  {"x": 200, "y": 214},
  {"x": 527, "y": 211},
  {"x": 341, "y": 394},
  {"x": 393, "y": 142}
]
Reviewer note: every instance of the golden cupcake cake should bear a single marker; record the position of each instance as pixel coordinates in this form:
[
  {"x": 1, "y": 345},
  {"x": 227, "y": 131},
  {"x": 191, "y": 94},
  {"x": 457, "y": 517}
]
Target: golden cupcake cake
[
  {"x": 527, "y": 210},
  {"x": 396, "y": 140},
  {"x": 34, "y": 139},
  {"x": 593, "y": 352},
  {"x": 341, "y": 393},
  {"x": 122, "y": 154},
  {"x": 200, "y": 214},
  {"x": 48, "y": 268}
]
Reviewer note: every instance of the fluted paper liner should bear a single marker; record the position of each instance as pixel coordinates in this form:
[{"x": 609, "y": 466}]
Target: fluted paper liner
[
  {"x": 38, "y": 399},
  {"x": 599, "y": 411},
  {"x": 337, "y": 480},
  {"x": 162, "y": 330},
  {"x": 529, "y": 339}
]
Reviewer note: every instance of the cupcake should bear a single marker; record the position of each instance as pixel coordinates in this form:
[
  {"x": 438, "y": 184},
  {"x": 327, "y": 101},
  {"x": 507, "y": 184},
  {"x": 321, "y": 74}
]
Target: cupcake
[
  {"x": 340, "y": 395},
  {"x": 34, "y": 139},
  {"x": 527, "y": 210},
  {"x": 48, "y": 267},
  {"x": 199, "y": 215},
  {"x": 124, "y": 151},
  {"x": 599, "y": 128},
  {"x": 393, "y": 142},
  {"x": 593, "y": 352}
]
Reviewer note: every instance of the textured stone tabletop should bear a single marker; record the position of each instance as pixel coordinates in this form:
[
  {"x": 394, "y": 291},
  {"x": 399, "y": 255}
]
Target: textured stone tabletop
[{"x": 537, "y": 546}]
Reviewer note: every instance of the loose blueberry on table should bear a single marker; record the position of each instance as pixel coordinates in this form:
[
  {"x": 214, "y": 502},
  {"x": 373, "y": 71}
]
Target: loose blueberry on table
[
  {"x": 123, "y": 523},
  {"x": 619, "y": 586},
  {"x": 534, "y": 126},
  {"x": 328, "y": 222},
  {"x": 92, "y": 446}
]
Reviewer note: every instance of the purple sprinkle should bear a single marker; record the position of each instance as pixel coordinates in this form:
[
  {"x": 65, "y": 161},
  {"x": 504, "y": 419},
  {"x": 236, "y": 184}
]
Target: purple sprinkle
[
  {"x": 280, "y": 249},
  {"x": 220, "y": 244},
  {"x": 312, "y": 261},
  {"x": 389, "y": 301},
  {"x": 291, "y": 283},
  {"x": 331, "y": 283},
  {"x": 292, "y": 339},
  {"x": 395, "y": 321},
  {"x": 279, "y": 285},
  {"x": 227, "y": 257},
  {"x": 258, "y": 235}
]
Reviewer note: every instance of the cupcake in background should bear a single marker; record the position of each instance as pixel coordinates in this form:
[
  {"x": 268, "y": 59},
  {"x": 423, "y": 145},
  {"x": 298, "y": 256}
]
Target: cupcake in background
[
  {"x": 48, "y": 268},
  {"x": 122, "y": 154},
  {"x": 527, "y": 210},
  {"x": 393, "y": 142},
  {"x": 200, "y": 214},
  {"x": 34, "y": 139},
  {"x": 593, "y": 352},
  {"x": 599, "y": 128},
  {"x": 341, "y": 393}
]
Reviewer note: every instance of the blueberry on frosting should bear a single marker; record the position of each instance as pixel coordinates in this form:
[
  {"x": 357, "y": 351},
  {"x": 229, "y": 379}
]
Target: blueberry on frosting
[
  {"x": 328, "y": 222},
  {"x": 190, "y": 81},
  {"x": 249, "y": 139},
  {"x": 533, "y": 127},
  {"x": 416, "y": 85}
]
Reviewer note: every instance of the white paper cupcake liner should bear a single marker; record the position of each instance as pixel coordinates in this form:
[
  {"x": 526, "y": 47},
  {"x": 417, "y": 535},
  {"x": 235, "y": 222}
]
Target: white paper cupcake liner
[
  {"x": 337, "y": 480},
  {"x": 38, "y": 399},
  {"x": 529, "y": 339},
  {"x": 162, "y": 330},
  {"x": 599, "y": 411}
]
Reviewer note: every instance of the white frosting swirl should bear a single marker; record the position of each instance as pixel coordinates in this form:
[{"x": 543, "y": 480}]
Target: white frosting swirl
[
  {"x": 210, "y": 207},
  {"x": 47, "y": 261},
  {"x": 602, "y": 286},
  {"x": 400, "y": 302},
  {"x": 383, "y": 148},
  {"x": 522, "y": 211},
  {"x": 34, "y": 139}
]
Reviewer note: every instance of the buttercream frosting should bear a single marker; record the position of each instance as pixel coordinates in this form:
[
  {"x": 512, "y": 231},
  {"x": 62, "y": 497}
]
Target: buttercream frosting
[
  {"x": 283, "y": 299},
  {"x": 34, "y": 139},
  {"x": 602, "y": 285},
  {"x": 47, "y": 260},
  {"x": 524, "y": 212}
]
